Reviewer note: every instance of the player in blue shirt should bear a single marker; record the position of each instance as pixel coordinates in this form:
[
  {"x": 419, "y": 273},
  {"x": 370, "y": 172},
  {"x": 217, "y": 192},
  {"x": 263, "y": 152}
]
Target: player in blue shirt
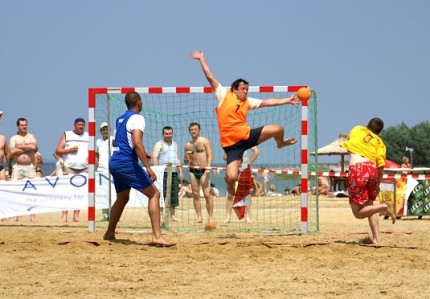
[{"x": 127, "y": 173}]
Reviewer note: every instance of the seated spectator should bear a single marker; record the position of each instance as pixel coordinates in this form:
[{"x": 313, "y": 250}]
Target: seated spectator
[
  {"x": 338, "y": 194},
  {"x": 297, "y": 190},
  {"x": 257, "y": 188},
  {"x": 214, "y": 190},
  {"x": 272, "y": 191},
  {"x": 185, "y": 190},
  {"x": 323, "y": 186}
]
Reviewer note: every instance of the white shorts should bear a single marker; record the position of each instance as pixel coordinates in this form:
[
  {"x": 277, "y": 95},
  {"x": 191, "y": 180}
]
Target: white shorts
[{"x": 20, "y": 171}]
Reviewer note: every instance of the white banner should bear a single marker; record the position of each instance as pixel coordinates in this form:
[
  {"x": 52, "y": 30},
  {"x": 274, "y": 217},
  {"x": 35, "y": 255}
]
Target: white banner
[{"x": 63, "y": 193}]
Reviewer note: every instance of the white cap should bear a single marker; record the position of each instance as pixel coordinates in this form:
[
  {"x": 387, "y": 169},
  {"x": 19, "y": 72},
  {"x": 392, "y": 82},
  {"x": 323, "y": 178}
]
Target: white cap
[{"x": 104, "y": 124}]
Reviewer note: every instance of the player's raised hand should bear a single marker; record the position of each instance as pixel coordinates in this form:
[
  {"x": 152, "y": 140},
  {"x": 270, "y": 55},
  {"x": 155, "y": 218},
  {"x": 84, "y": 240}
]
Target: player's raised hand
[{"x": 197, "y": 55}]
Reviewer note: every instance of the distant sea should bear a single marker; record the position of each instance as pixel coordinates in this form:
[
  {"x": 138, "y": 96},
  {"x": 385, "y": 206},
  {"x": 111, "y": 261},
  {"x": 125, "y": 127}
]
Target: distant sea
[{"x": 217, "y": 178}]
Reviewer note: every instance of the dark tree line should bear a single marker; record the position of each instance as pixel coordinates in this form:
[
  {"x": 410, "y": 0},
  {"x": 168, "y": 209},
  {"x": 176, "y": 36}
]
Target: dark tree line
[{"x": 399, "y": 137}]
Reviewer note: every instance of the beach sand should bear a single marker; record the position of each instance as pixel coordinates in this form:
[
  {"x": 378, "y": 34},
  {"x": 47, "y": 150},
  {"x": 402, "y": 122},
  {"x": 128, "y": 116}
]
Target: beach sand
[{"x": 50, "y": 259}]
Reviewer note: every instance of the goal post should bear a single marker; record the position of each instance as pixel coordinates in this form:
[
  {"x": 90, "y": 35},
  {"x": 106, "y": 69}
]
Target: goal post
[{"x": 288, "y": 168}]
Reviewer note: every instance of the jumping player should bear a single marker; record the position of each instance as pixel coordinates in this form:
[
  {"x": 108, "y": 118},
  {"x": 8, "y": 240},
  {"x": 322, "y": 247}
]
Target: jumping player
[
  {"x": 366, "y": 166},
  {"x": 235, "y": 134}
]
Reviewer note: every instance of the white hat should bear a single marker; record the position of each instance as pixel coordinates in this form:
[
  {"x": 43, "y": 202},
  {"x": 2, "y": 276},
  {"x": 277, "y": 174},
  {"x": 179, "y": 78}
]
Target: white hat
[{"x": 104, "y": 124}]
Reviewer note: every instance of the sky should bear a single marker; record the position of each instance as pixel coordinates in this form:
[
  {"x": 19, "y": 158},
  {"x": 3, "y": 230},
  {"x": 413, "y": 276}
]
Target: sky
[{"x": 364, "y": 58}]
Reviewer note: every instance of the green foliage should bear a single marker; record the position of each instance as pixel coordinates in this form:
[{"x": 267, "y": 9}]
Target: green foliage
[{"x": 399, "y": 137}]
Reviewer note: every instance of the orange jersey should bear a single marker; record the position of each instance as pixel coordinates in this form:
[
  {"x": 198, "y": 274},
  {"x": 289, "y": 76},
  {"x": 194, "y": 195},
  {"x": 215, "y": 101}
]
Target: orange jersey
[{"x": 232, "y": 120}]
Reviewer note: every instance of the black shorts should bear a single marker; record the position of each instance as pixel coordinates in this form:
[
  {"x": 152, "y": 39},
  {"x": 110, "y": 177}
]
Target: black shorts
[
  {"x": 198, "y": 173},
  {"x": 235, "y": 152}
]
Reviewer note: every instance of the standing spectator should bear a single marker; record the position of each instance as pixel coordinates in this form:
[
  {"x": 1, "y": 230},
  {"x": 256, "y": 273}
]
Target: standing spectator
[
  {"x": 73, "y": 148},
  {"x": 366, "y": 167},
  {"x": 198, "y": 152},
  {"x": 405, "y": 162},
  {"x": 126, "y": 172},
  {"x": 166, "y": 153},
  {"x": 104, "y": 149},
  {"x": 58, "y": 166},
  {"x": 23, "y": 148},
  {"x": 4, "y": 153},
  {"x": 265, "y": 175},
  {"x": 39, "y": 162}
]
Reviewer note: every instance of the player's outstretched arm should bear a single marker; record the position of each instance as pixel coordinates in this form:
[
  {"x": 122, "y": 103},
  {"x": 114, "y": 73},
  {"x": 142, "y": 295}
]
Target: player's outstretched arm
[
  {"x": 293, "y": 100},
  {"x": 200, "y": 56}
]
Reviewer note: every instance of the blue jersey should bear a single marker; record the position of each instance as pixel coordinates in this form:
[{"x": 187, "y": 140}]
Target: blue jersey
[
  {"x": 122, "y": 150},
  {"x": 123, "y": 164}
]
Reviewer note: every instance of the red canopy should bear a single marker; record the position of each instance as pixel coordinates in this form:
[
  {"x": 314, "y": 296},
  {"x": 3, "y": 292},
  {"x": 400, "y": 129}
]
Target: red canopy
[{"x": 391, "y": 164}]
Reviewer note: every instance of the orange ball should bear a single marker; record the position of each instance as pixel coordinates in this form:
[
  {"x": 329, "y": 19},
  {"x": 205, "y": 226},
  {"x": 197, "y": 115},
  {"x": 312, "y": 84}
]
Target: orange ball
[
  {"x": 210, "y": 226},
  {"x": 304, "y": 93}
]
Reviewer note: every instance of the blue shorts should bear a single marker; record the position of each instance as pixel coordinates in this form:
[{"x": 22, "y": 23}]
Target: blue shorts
[
  {"x": 128, "y": 175},
  {"x": 235, "y": 152}
]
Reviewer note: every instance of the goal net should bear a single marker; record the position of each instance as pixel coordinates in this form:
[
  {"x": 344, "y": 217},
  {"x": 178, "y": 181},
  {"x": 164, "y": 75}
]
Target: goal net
[{"x": 284, "y": 204}]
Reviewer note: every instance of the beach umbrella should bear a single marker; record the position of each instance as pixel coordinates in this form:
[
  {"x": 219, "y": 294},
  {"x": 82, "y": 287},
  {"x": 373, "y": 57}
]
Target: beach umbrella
[{"x": 334, "y": 148}]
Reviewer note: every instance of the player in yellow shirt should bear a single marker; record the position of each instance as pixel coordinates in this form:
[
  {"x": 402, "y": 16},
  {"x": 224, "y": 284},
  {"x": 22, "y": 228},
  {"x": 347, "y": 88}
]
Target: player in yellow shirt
[
  {"x": 235, "y": 134},
  {"x": 366, "y": 165}
]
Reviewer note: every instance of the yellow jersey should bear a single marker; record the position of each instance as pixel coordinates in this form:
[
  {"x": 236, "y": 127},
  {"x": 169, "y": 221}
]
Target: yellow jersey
[{"x": 363, "y": 142}]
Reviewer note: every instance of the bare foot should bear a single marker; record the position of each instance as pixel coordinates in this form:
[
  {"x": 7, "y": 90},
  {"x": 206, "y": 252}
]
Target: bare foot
[
  {"x": 375, "y": 242},
  {"x": 176, "y": 219},
  {"x": 227, "y": 220},
  {"x": 161, "y": 242},
  {"x": 109, "y": 237},
  {"x": 32, "y": 218},
  {"x": 199, "y": 220},
  {"x": 391, "y": 211},
  {"x": 63, "y": 219},
  {"x": 248, "y": 220},
  {"x": 75, "y": 219},
  {"x": 288, "y": 141}
]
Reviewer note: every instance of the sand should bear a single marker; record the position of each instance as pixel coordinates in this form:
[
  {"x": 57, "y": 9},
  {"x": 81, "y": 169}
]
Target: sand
[{"x": 49, "y": 259}]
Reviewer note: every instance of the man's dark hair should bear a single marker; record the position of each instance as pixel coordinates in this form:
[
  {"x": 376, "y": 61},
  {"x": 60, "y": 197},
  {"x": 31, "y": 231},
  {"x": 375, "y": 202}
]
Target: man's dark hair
[
  {"x": 131, "y": 99},
  {"x": 235, "y": 84},
  {"x": 193, "y": 124},
  {"x": 376, "y": 125},
  {"x": 20, "y": 120},
  {"x": 167, "y": 128}
]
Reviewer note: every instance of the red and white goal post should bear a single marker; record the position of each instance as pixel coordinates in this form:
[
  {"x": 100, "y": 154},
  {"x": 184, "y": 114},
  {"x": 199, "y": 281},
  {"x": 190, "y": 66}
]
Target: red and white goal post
[{"x": 178, "y": 106}]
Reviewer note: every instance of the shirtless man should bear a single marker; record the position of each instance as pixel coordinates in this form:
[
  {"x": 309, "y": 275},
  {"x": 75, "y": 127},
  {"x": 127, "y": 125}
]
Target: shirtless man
[
  {"x": 198, "y": 152},
  {"x": 23, "y": 148},
  {"x": 4, "y": 153},
  {"x": 323, "y": 186}
]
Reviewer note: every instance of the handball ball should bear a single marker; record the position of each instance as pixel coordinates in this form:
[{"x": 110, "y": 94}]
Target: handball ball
[
  {"x": 210, "y": 226},
  {"x": 304, "y": 93}
]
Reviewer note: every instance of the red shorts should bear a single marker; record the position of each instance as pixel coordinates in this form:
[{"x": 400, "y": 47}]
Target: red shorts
[{"x": 363, "y": 182}]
